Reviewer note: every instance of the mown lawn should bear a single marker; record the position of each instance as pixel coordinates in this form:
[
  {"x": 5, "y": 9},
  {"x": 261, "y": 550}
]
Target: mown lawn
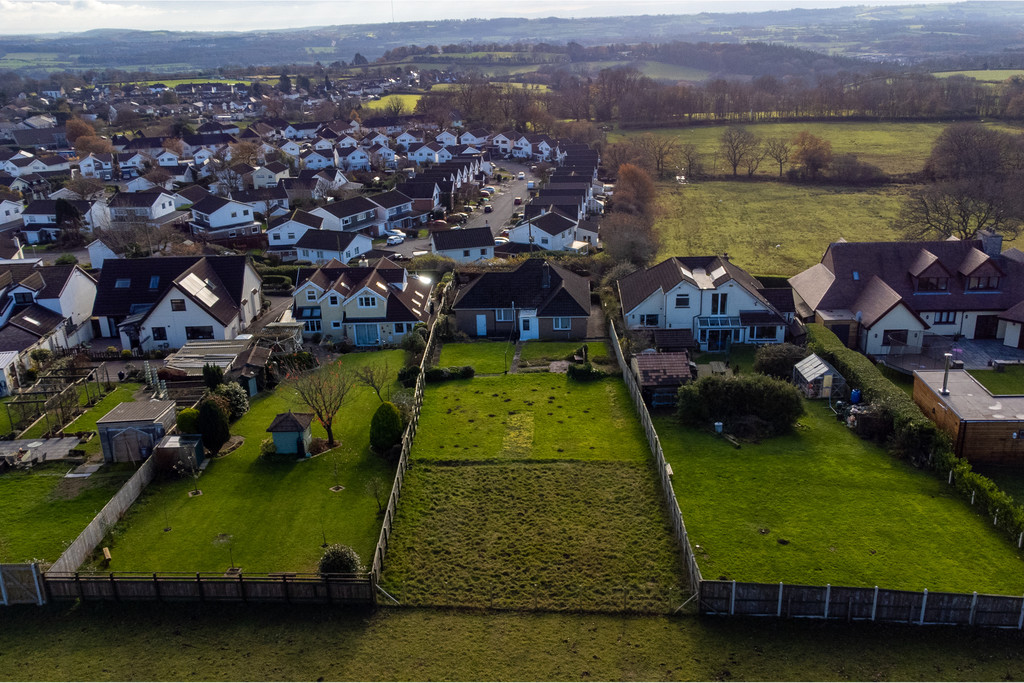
[
  {"x": 122, "y": 393},
  {"x": 486, "y": 357},
  {"x": 296, "y": 642},
  {"x": 42, "y": 511},
  {"x": 536, "y": 351},
  {"x": 277, "y": 513},
  {"x": 770, "y": 228},
  {"x": 822, "y": 506},
  {"x": 536, "y": 416},
  {"x": 1008, "y": 382}
]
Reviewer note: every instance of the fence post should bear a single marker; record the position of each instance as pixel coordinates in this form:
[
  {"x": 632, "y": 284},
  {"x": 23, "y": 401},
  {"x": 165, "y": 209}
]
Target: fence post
[
  {"x": 113, "y": 587},
  {"x": 778, "y": 612},
  {"x": 924, "y": 604},
  {"x": 874, "y": 604},
  {"x": 974, "y": 606},
  {"x": 732, "y": 600},
  {"x": 828, "y": 597},
  {"x": 199, "y": 585},
  {"x": 156, "y": 587},
  {"x": 1020, "y": 621},
  {"x": 3, "y": 588}
]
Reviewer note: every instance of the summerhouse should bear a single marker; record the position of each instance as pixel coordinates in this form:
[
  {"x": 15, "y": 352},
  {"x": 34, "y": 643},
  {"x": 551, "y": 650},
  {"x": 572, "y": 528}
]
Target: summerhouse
[
  {"x": 815, "y": 378},
  {"x": 292, "y": 433}
]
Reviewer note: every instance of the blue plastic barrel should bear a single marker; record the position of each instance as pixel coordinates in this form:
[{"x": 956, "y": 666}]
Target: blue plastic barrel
[{"x": 855, "y": 396}]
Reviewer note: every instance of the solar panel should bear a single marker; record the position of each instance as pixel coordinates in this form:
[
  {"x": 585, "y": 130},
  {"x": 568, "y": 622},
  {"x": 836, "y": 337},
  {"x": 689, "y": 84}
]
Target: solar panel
[{"x": 199, "y": 289}]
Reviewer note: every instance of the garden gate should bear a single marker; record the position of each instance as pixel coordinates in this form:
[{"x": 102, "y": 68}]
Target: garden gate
[{"x": 21, "y": 584}]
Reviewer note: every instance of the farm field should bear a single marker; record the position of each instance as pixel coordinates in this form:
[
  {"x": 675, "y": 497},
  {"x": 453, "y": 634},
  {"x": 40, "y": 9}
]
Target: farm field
[
  {"x": 39, "y": 60},
  {"x": 986, "y": 75},
  {"x": 770, "y": 228},
  {"x": 277, "y": 513},
  {"x": 486, "y": 357},
  {"x": 822, "y": 506},
  {"x": 294, "y": 642},
  {"x": 896, "y": 148},
  {"x": 43, "y": 511},
  {"x": 565, "y": 511}
]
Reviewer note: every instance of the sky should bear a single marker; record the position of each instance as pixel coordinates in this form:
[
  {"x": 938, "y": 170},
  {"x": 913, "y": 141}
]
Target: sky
[{"x": 52, "y": 16}]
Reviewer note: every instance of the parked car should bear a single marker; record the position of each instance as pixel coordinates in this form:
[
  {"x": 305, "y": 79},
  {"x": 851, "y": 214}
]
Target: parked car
[
  {"x": 522, "y": 175},
  {"x": 458, "y": 217},
  {"x": 517, "y": 201},
  {"x": 501, "y": 240},
  {"x": 395, "y": 232},
  {"x": 395, "y": 239},
  {"x": 489, "y": 188},
  {"x": 504, "y": 232},
  {"x": 488, "y": 209},
  {"x": 438, "y": 223}
]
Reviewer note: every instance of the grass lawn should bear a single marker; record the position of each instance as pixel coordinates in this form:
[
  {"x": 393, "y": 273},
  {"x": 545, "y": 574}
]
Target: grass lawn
[
  {"x": 276, "y": 512},
  {"x": 297, "y": 642},
  {"x": 1008, "y": 382},
  {"x": 770, "y": 228},
  {"x": 535, "y": 352},
  {"x": 849, "y": 513},
  {"x": 535, "y": 416},
  {"x": 122, "y": 393},
  {"x": 486, "y": 357},
  {"x": 408, "y": 101},
  {"x": 43, "y": 511},
  {"x": 532, "y": 491}
]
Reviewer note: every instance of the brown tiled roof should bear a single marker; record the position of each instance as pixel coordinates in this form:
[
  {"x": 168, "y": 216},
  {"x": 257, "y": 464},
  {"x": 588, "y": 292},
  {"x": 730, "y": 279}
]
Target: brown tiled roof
[{"x": 663, "y": 369}]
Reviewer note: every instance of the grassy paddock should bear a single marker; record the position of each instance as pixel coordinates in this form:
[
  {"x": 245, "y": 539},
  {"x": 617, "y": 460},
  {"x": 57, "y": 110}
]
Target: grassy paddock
[
  {"x": 408, "y": 101},
  {"x": 486, "y": 357},
  {"x": 770, "y": 228},
  {"x": 43, "y": 511},
  {"x": 822, "y": 506},
  {"x": 276, "y": 512},
  {"x": 536, "y": 416}
]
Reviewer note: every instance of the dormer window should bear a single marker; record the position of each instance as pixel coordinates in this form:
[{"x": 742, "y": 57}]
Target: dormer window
[
  {"x": 22, "y": 298},
  {"x": 933, "y": 284},
  {"x": 982, "y": 284}
]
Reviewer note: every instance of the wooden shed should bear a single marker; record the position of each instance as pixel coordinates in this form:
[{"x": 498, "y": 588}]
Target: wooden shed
[
  {"x": 984, "y": 428},
  {"x": 816, "y": 378},
  {"x": 130, "y": 431},
  {"x": 292, "y": 432}
]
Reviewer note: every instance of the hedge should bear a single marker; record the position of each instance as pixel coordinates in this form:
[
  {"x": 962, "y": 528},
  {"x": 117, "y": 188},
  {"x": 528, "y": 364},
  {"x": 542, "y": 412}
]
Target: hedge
[
  {"x": 753, "y": 405},
  {"x": 913, "y": 436},
  {"x": 434, "y": 375}
]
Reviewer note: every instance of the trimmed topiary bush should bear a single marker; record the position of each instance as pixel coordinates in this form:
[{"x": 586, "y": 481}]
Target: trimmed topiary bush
[
  {"x": 339, "y": 559},
  {"x": 386, "y": 427},
  {"x": 188, "y": 421}
]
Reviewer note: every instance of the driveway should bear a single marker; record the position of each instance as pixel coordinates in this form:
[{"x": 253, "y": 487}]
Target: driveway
[{"x": 503, "y": 203}]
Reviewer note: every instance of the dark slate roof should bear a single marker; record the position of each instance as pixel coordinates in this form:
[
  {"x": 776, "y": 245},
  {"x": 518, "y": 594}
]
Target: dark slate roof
[
  {"x": 291, "y": 422},
  {"x": 210, "y": 203},
  {"x": 138, "y": 296},
  {"x": 566, "y": 293},
  {"x": 16, "y": 339},
  {"x": 298, "y": 216},
  {"x": 36, "y": 320},
  {"x": 261, "y": 195},
  {"x": 671, "y": 340},
  {"x": 781, "y": 298},
  {"x": 553, "y": 223},
  {"x": 135, "y": 199},
  {"x": 636, "y": 287},
  {"x": 469, "y": 238},
  {"x": 48, "y": 281},
  {"x": 40, "y": 137},
  {"x": 418, "y": 190},
  {"x": 49, "y": 206},
  {"x": 349, "y": 207},
  {"x": 194, "y": 193},
  {"x": 391, "y": 199},
  {"x": 137, "y": 411},
  {"x": 326, "y": 240}
]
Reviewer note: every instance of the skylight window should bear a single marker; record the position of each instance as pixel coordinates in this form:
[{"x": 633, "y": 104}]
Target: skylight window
[
  {"x": 123, "y": 283},
  {"x": 856, "y": 275},
  {"x": 154, "y": 281}
]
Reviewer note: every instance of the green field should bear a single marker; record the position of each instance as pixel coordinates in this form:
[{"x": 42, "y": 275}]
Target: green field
[
  {"x": 987, "y": 75},
  {"x": 115, "y": 642},
  {"x": 408, "y": 101},
  {"x": 1009, "y": 382},
  {"x": 486, "y": 357},
  {"x": 532, "y": 492},
  {"x": 540, "y": 351},
  {"x": 539, "y": 87},
  {"x": 276, "y": 512},
  {"x": 822, "y": 506},
  {"x": 43, "y": 512},
  {"x": 38, "y": 60},
  {"x": 770, "y": 228}
]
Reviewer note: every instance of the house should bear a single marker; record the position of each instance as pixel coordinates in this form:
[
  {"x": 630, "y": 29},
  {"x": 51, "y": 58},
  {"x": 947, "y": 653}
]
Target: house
[
  {"x": 717, "y": 301},
  {"x": 40, "y": 218},
  {"x": 266, "y": 201},
  {"x": 464, "y": 246},
  {"x": 218, "y": 218},
  {"x": 130, "y": 431},
  {"x": 167, "y": 301},
  {"x": 321, "y": 246},
  {"x": 135, "y": 164},
  {"x": 168, "y": 158},
  {"x": 427, "y": 153},
  {"x": 505, "y": 142},
  {"x": 292, "y": 433},
  {"x": 446, "y": 138},
  {"x": 886, "y": 297},
  {"x": 477, "y": 137},
  {"x": 316, "y": 160},
  {"x": 99, "y": 166},
  {"x": 127, "y": 208},
  {"x": 187, "y": 196},
  {"x": 410, "y": 138},
  {"x": 264, "y": 176},
  {"x": 100, "y": 252},
  {"x": 365, "y": 305},
  {"x": 357, "y": 213},
  {"x": 426, "y": 196},
  {"x": 552, "y": 231},
  {"x": 352, "y": 159},
  {"x": 383, "y": 156},
  {"x": 284, "y": 231},
  {"x": 399, "y": 212},
  {"x": 537, "y": 300},
  {"x": 10, "y": 210}
]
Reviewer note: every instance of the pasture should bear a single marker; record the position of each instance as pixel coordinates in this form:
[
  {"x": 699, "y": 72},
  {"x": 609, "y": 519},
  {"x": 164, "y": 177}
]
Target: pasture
[
  {"x": 770, "y": 228},
  {"x": 277, "y": 512},
  {"x": 823, "y": 506},
  {"x": 986, "y": 75},
  {"x": 408, "y": 102}
]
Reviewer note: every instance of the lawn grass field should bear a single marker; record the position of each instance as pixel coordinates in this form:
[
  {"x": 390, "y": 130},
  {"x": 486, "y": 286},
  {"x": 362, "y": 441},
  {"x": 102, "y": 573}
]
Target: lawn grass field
[
  {"x": 408, "y": 101},
  {"x": 524, "y": 417},
  {"x": 770, "y": 228},
  {"x": 532, "y": 491},
  {"x": 276, "y": 512},
  {"x": 850, "y": 515},
  {"x": 43, "y": 511},
  {"x": 537, "y": 351},
  {"x": 1009, "y": 382},
  {"x": 896, "y": 148},
  {"x": 115, "y": 642},
  {"x": 122, "y": 393},
  {"x": 486, "y": 357}
]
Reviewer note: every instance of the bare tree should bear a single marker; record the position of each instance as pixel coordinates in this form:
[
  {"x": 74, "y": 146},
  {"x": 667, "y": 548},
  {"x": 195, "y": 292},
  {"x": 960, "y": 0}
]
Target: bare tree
[
  {"x": 629, "y": 238},
  {"x": 660, "y": 152},
  {"x": 736, "y": 144},
  {"x": 85, "y": 188},
  {"x": 158, "y": 176},
  {"x": 691, "y": 160},
  {"x": 754, "y": 158},
  {"x": 812, "y": 153},
  {"x": 778, "y": 150},
  {"x": 377, "y": 376},
  {"x": 325, "y": 390},
  {"x": 245, "y": 153},
  {"x": 393, "y": 106},
  {"x": 962, "y": 208}
]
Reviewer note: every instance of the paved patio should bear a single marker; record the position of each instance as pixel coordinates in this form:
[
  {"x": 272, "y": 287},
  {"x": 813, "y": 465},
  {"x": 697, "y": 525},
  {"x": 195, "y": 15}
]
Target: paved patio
[{"x": 975, "y": 353}]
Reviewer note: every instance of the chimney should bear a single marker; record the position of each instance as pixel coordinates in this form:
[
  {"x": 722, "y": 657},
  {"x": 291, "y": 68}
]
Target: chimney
[
  {"x": 545, "y": 276},
  {"x": 945, "y": 375},
  {"x": 991, "y": 242}
]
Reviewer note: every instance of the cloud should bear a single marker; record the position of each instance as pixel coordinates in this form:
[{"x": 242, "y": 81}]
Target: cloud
[{"x": 50, "y": 16}]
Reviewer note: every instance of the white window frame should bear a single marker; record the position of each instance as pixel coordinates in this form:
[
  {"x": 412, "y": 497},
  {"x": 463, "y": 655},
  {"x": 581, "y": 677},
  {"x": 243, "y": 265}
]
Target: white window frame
[
  {"x": 561, "y": 323},
  {"x": 367, "y": 301}
]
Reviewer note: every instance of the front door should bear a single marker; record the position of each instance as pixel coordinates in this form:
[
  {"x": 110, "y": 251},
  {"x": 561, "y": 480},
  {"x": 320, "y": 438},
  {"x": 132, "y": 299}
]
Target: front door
[
  {"x": 481, "y": 325},
  {"x": 367, "y": 334},
  {"x": 986, "y": 326},
  {"x": 528, "y": 328}
]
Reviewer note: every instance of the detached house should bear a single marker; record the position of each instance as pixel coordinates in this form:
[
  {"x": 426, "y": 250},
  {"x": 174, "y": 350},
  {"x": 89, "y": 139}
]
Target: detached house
[
  {"x": 217, "y": 218},
  {"x": 886, "y": 297},
  {"x": 97, "y": 166},
  {"x": 366, "y": 305},
  {"x": 40, "y": 218},
  {"x": 716, "y": 301},
  {"x": 10, "y": 210},
  {"x": 357, "y": 213},
  {"x": 164, "y": 302},
  {"x": 127, "y": 208},
  {"x": 398, "y": 209},
  {"x": 550, "y": 231},
  {"x": 464, "y": 246}
]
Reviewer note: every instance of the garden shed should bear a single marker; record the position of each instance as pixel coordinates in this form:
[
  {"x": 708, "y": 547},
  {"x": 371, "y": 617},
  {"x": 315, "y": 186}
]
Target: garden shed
[
  {"x": 661, "y": 374},
  {"x": 292, "y": 432},
  {"x": 815, "y": 378},
  {"x": 130, "y": 431}
]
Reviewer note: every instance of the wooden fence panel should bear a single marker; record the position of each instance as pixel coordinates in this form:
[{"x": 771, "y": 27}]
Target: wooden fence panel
[
  {"x": 999, "y": 611},
  {"x": 21, "y": 584}
]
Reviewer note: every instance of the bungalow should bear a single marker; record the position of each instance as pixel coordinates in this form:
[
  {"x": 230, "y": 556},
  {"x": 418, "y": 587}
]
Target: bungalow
[
  {"x": 165, "y": 302},
  {"x": 537, "y": 300},
  {"x": 218, "y": 218},
  {"x": 365, "y": 305},
  {"x": 718, "y": 302},
  {"x": 553, "y": 231},
  {"x": 464, "y": 246}
]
